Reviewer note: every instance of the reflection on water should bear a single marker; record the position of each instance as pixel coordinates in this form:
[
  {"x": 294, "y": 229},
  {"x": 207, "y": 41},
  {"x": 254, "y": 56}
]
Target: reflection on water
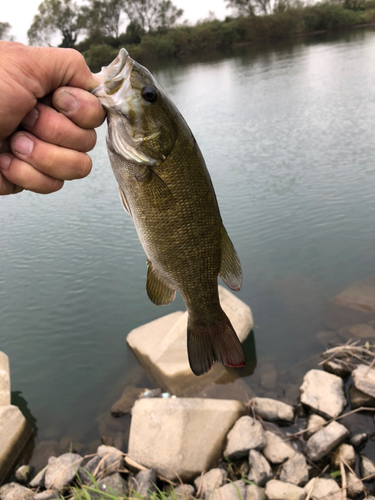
[{"x": 287, "y": 131}]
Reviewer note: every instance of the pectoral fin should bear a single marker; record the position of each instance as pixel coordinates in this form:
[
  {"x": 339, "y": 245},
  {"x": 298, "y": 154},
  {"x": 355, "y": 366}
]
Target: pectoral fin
[
  {"x": 124, "y": 201},
  {"x": 158, "y": 290},
  {"x": 153, "y": 189},
  {"x": 230, "y": 268}
]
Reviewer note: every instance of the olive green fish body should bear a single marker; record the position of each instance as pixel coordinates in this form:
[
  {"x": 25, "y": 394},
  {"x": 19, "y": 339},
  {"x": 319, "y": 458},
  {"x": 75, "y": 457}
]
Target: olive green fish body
[{"x": 166, "y": 189}]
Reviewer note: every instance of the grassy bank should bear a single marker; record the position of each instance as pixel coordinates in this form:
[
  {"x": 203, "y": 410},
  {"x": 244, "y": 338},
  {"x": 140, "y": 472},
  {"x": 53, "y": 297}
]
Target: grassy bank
[{"x": 214, "y": 35}]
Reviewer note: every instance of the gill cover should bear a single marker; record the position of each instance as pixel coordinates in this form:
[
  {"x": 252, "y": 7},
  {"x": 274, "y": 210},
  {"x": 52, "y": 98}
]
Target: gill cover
[{"x": 140, "y": 120}]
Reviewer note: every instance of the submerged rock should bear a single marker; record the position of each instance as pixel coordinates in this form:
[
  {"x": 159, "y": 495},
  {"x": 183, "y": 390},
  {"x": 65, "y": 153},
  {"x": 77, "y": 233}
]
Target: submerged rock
[
  {"x": 247, "y": 434},
  {"x": 323, "y": 392},
  {"x": 271, "y": 409},
  {"x": 126, "y": 402},
  {"x": 324, "y": 441},
  {"x": 358, "y": 398}
]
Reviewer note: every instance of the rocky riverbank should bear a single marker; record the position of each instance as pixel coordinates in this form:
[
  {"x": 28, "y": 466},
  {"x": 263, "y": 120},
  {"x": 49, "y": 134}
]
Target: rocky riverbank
[
  {"x": 312, "y": 445},
  {"x": 219, "y": 449}
]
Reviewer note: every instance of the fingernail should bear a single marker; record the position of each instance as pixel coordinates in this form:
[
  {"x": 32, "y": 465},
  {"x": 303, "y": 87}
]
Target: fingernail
[
  {"x": 31, "y": 118},
  {"x": 5, "y": 162},
  {"x": 22, "y": 145},
  {"x": 66, "y": 102}
]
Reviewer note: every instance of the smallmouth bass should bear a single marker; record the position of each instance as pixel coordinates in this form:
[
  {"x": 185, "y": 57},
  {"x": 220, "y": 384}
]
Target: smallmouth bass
[{"x": 166, "y": 189}]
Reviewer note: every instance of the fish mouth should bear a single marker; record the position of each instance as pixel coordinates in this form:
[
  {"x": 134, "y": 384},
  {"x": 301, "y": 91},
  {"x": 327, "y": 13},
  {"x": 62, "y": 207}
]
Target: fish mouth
[{"x": 113, "y": 76}]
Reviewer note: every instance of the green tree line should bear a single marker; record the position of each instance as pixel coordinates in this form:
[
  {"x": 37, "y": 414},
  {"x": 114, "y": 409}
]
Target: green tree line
[{"x": 150, "y": 29}]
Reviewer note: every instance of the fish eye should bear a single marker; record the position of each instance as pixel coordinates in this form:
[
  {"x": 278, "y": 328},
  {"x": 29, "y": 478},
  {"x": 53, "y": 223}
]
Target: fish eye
[{"x": 150, "y": 94}]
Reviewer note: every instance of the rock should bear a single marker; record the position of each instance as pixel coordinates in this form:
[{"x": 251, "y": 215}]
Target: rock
[
  {"x": 42, "y": 452},
  {"x": 367, "y": 467},
  {"x": 112, "y": 459},
  {"x": 361, "y": 331},
  {"x": 4, "y": 380},
  {"x": 160, "y": 346},
  {"x": 355, "y": 486},
  {"x": 358, "y": 398},
  {"x": 344, "y": 452},
  {"x": 38, "y": 480},
  {"x": 360, "y": 296},
  {"x": 14, "y": 491},
  {"x": 271, "y": 409},
  {"x": 314, "y": 424},
  {"x": 14, "y": 434},
  {"x": 295, "y": 470},
  {"x": 324, "y": 441},
  {"x": 357, "y": 440},
  {"x": 278, "y": 490},
  {"x": 247, "y": 434},
  {"x": 126, "y": 402},
  {"x": 208, "y": 482},
  {"x": 23, "y": 474},
  {"x": 260, "y": 469},
  {"x": 276, "y": 450},
  {"x": 329, "y": 338},
  {"x": 268, "y": 379},
  {"x": 336, "y": 369},
  {"x": 230, "y": 491},
  {"x": 180, "y": 437},
  {"x": 253, "y": 492},
  {"x": 88, "y": 469},
  {"x": 62, "y": 470},
  {"x": 114, "y": 484},
  {"x": 184, "y": 492},
  {"x": 47, "y": 495},
  {"x": 144, "y": 483},
  {"x": 320, "y": 488},
  {"x": 323, "y": 392},
  {"x": 364, "y": 379}
]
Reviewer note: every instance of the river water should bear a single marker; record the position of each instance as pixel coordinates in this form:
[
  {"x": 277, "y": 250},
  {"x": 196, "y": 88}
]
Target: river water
[{"x": 288, "y": 134}]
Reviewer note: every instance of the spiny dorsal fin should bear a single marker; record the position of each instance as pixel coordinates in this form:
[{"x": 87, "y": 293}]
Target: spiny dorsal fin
[
  {"x": 158, "y": 290},
  {"x": 124, "y": 201},
  {"x": 230, "y": 267}
]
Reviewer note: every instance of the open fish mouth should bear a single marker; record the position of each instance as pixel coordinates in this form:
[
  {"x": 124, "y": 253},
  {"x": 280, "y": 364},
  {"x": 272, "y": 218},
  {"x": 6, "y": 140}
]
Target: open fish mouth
[{"x": 113, "y": 76}]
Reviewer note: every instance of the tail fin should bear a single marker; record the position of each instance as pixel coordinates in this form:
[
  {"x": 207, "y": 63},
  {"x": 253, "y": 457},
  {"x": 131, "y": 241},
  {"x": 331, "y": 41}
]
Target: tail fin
[{"x": 217, "y": 342}]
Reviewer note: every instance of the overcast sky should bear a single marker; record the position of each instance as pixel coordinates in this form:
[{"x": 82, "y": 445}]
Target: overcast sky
[{"x": 20, "y": 13}]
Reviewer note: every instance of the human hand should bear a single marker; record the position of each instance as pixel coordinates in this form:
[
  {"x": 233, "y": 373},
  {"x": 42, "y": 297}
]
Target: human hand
[{"x": 53, "y": 141}]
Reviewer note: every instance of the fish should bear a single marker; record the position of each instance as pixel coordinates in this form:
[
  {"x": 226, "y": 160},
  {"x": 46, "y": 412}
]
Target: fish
[{"x": 165, "y": 187}]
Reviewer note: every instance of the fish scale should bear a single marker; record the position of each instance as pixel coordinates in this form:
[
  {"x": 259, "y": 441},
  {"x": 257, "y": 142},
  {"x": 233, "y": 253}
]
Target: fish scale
[{"x": 165, "y": 187}]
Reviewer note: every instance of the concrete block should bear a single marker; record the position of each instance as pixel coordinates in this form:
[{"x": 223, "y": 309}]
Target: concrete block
[
  {"x": 161, "y": 347},
  {"x": 4, "y": 380},
  {"x": 14, "y": 434},
  {"x": 181, "y": 437}
]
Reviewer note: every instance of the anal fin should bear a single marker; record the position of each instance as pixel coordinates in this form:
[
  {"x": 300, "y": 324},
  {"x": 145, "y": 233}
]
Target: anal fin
[
  {"x": 158, "y": 290},
  {"x": 230, "y": 267}
]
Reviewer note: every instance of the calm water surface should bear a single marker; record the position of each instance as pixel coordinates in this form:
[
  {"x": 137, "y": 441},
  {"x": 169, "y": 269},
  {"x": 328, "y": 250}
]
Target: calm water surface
[{"x": 288, "y": 134}]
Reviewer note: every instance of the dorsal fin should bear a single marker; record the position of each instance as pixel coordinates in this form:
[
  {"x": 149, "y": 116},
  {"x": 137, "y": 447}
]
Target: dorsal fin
[
  {"x": 230, "y": 267},
  {"x": 158, "y": 290}
]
